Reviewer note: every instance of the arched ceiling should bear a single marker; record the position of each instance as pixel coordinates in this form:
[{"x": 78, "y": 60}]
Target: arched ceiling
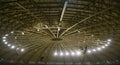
[{"x": 50, "y": 25}]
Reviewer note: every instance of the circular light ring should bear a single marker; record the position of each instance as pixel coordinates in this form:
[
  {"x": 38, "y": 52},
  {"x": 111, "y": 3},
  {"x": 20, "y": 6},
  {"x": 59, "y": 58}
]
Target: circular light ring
[
  {"x": 61, "y": 54},
  {"x": 10, "y": 45}
]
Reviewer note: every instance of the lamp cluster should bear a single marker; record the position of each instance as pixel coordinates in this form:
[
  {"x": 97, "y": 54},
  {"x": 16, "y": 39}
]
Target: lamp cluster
[
  {"x": 75, "y": 53},
  {"x": 101, "y": 47},
  {"x": 78, "y": 53},
  {"x": 4, "y": 39}
]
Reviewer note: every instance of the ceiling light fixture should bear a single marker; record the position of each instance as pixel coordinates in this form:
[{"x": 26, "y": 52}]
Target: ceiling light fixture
[
  {"x": 23, "y": 33},
  {"x": 9, "y": 45},
  {"x": 94, "y": 50},
  {"x": 18, "y": 48},
  {"x": 98, "y": 49},
  {"x": 103, "y": 47},
  {"x": 89, "y": 51},
  {"x": 6, "y": 43},
  {"x": 38, "y": 29},
  {"x": 4, "y": 37},
  {"x": 106, "y": 45},
  {"x": 55, "y": 54},
  {"x": 109, "y": 40},
  {"x": 6, "y": 34},
  {"x": 61, "y": 53},
  {"x": 22, "y": 50},
  {"x": 12, "y": 32},
  {"x": 13, "y": 47},
  {"x": 78, "y": 52},
  {"x": 4, "y": 40},
  {"x": 66, "y": 53},
  {"x": 72, "y": 53}
]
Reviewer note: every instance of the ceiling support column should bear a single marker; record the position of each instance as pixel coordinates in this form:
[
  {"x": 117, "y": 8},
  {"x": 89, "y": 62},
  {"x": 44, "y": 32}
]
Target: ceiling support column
[{"x": 63, "y": 11}]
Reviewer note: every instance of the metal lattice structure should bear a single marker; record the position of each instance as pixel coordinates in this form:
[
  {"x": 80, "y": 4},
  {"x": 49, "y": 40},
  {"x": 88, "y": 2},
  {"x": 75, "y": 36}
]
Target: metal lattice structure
[{"x": 46, "y": 26}]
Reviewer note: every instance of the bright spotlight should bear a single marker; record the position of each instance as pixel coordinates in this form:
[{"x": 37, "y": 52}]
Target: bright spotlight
[
  {"x": 6, "y": 34},
  {"x": 12, "y": 32},
  {"x": 55, "y": 54},
  {"x": 103, "y": 46},
  {"x": 106, "y": 44},
  {"x": 109, "y": 40},
  {"x": 22, "y": 50},
  {"x": 23, "y": 33},
  {"x": 92, "y": 35},
  {"x": 72, "y": 53},
  {"x": 78, "y": 52},
  {"x": 94, "y": 50},
  {"x": 61, "y": 54},
  {"x": 66, "y": 53},
  {"x": 58, "y": 28},
  {"x": 38, "y": 29},
  {"x": 4, "y": 40},
  {"x": 89, "y": 51},
  {"x": 98, "y": 49},
  {"x": 13, "y": 47},
  {"x": 6, "y": 43},
  {"x": 9, "y": 45},
  {"x": 4, "y": 37},
  {"x": 18, "y": 48}
]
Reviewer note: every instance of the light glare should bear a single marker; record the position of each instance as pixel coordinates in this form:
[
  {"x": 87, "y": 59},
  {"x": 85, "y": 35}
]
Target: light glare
[
  {"x": 98, "y": 49},
  {"x": 109, "y": 40},
  {"x": 4, "y": 37},
  {"x": 67, "y": 53},
  {"x": 106, "y": 44},
  {"x": 6, "y": 34},
  {"x": 73, "y": 53},
  {"x": 18, "y": 48},
  {"x": 94, "y": 50},
  {"x": 6, "y": 42},
  {"x": 103, "y": 46},
  {"x": 13, "y": 47},
  {"x": 61, "y": 54},
  {"x": 22, "y": 50},
  {"x": 23, "y": 33},
  {"x": 9, "y": 44},
  {"x": 12, "y": 32},
  {"x": 78, "y": 52},
  {"x": 55, "y": 54},
  {"x": 89, "y": 51},
  {"x": 38, "y": 29}
]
